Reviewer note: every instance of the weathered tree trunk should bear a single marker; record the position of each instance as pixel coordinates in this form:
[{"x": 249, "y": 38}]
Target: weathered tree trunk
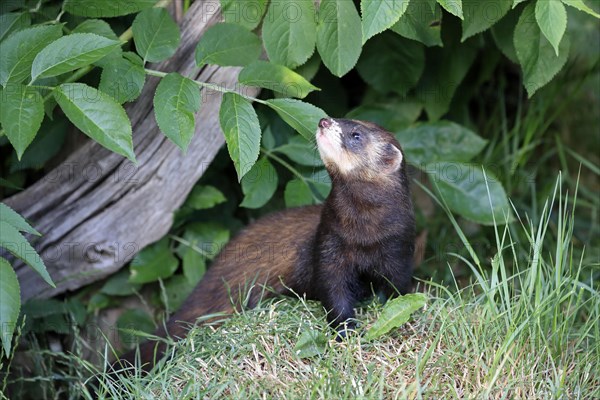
[{"x": 97, "y": 209}]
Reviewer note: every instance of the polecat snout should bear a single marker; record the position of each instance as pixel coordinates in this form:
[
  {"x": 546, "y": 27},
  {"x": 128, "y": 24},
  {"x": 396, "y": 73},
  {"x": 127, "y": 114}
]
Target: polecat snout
[{"x": 359, "y": 240}]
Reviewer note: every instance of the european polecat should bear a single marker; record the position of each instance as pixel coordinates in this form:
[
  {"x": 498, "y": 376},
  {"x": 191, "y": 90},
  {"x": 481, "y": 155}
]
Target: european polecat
[{"x": 359, "y": 241}]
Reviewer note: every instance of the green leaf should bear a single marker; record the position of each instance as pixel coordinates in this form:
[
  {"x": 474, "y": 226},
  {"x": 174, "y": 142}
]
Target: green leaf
[
  {"x": 247, "y": 13},
  {"x": 297, "y": 193},
  {"x": 10, "y": 304},
  {"x": 391, "y": 63},
  {"x": 97, "y": 115},
  {"x": 454, "y": 7},
  {"x": 47, "y": 143},
  {"x": 176, "y": 101},
  {"x": 581, "y": 6},
  {"x": 227, "y": 45},
  {"x": 391, "y": 115},
  {"x": 300, "y": 151},
  {"x": 17, "y": 245},
  {"x": 421, "y": 22},
  {"x": 241, "y": 128},
  {"x": 97, "y": 301},
  {"x": 155, "y": 34},
  {"x": 396, "y": 313},
  {"x": 105, "y": 8},
  {"x": 208, "y": 237},
  {"x": 463, "y": 188},
  {"x": 119, "y": 285},
  {"x": 481, "y": 15},
  {"x": 277, "y": 78},
  {"x": 13, "y": 218},
  {"x": 535, "y": 53},
  {"x": 320, "y": 184},
  {"x": 21, "y": 48},
  {"x": 123, "y": 79},
  {"x": 551, "y": 17},
  {"x": 131, "y": 323},
  {"x": 177, "y": 289},
  {"x": 377, "y": 16},
  {"x": 503, "y": 33},
  {"x": 303, "y": 117},
  {"x": 289, "y": 32},
  {"x": 13, "y": 22},
  {"x": 311, "y": 343},
  {"x": 194, "y": 265},
  {"x": 97, "y": 26},
  {"x": 203, "y": 197},
  {"x": 310, "y": 68},
  {"x": 21, "y": 115},
  {"x": 259, "y": 184},
  {"x": 338, "y": 40},
  {"x": 439, "y": 141},
  {"x": 69, "y": 53},
  {"x": 153, "y": 263},
  {"x": 442, "y": 77}
]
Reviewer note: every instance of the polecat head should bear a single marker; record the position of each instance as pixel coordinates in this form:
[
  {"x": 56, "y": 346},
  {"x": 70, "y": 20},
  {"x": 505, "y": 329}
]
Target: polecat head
[{"x": 358, "y": 149}]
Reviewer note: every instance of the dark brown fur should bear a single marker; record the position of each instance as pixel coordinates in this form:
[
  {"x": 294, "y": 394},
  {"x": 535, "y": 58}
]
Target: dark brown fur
[{"x": 360, "y": 239}]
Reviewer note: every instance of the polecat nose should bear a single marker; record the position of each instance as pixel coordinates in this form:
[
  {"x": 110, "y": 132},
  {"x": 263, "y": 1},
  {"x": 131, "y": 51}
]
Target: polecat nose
[{"x": 324, "y": 123}]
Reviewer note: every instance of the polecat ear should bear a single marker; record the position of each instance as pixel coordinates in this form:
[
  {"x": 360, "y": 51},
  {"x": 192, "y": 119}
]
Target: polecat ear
[{"x": 392, "y": 159}]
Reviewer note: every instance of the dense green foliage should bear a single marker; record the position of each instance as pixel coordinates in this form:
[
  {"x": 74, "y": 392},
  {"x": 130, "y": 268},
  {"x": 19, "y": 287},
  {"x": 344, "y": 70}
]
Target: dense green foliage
[{"x": 446, "y": 77}]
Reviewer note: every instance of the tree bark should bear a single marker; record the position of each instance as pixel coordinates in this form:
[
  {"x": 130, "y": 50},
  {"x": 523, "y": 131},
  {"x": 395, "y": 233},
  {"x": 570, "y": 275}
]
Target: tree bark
[{"x": 97, "y": 210}]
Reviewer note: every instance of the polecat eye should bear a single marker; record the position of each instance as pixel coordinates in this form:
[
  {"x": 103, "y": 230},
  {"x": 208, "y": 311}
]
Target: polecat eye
[{"x": 355, "y": 135}]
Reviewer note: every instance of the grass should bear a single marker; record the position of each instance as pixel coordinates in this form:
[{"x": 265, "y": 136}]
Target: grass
[{"x": 527, "y": 327}]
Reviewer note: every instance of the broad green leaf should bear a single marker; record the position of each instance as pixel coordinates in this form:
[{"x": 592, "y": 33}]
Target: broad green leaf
[
  {"x": 227, "y": 45},
  {"x": 39, "y": 308},
  {"x": 131, "y": 326},
  {"x": 480, "y": 15},
  {"x": 338, "y": 39},
  {"x": 177, "y": 289},
  {"x": 421, "y": 22},
  {"x": 503, "y": 32},
  {"x": 391, "y": 115},
  {"x": 303, "y": 117},
  {"x": 97, "y": 115},
  {"x": 47, "y": 143},
  {"x": 396, "y": 313},
  {"x": 377, "y": 16},
  {"x": 320, "y": 184},
  {"x": 442, "y": 77},
  {"x": 10, "y": 304},
  {"x": 119, "y": 285},
  {"x": 20, "y": 49},
  {"x": 105, "y": 8},
  {"x": 259, "y": 184},
  {"x": 277, "y": 78},
  {"x": 463, "y": 188},
  {"x": 203, "y": 197},
  {"x": 155, "y": 34},
  {"x": 21, "y": 115},
  {"x": 194, "y": 265},
  {"x": 13, "y": 22},
  {"x": 297, "y": 193},
  {"x": 439, "y": 141},
  {"x": 454, "y": 7},
  {"x": 551, "y": 17},
  {"x": 13, "y": 218},
  {"x": 69, "y": 53},
  {"x": 97, "y": 26},
  {"x": 535, "y": 53},
  {"x": 289, "y": 32},
  {"x": 207, "y": 237},
  {"x": 391, "y": 63},
  {"x": 581, "y": 6},
  {"x": 517, "y": 2},
  {"x": 311, "y": 343},
  {"x": 247, "y": 13},
  {"x": 153, "y": 263},
  {"x": 242, "y": 131},
  {"x": 17, "y": 245},
  {"x": 176, "y": 101},
  {"x": 123, "y": 79},
  {"x": 97, "y": 301},
  {"x": 301, "y": 152},
  {"x": 310, "y": 68}
]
